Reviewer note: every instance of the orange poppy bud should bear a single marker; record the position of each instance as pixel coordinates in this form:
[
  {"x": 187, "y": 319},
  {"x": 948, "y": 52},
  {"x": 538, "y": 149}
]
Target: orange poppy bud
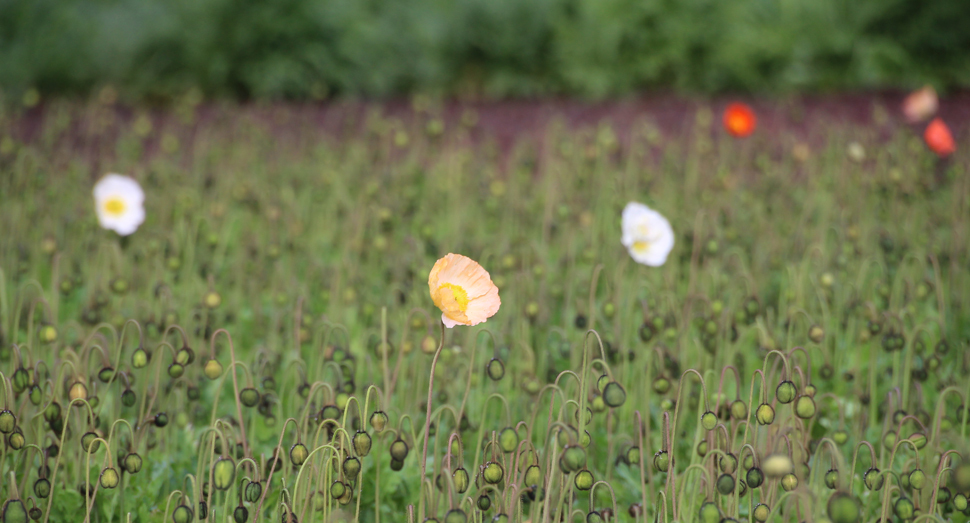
[
  {"x": 939, "y": 139},
  {"x": 739, "y": 120}
]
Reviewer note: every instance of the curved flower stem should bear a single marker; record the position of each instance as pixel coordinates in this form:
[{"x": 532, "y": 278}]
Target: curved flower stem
[
  {"x": 235, "y": 388},
  {"x": 427, "y": 424}
]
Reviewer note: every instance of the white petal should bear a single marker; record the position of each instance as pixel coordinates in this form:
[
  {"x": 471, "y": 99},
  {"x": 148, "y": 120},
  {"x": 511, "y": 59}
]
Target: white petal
[{"x": 448, "y": 321}]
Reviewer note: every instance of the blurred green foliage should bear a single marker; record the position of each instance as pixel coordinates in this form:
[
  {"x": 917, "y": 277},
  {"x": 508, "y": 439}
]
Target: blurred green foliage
[{"x": 316, "y": 48}]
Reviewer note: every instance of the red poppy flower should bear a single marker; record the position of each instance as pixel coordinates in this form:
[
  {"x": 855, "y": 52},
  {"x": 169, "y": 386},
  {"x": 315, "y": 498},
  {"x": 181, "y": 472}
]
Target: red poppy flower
[
  {"x": 739, "y": 120},
  {"x": 939, "y": 139}
]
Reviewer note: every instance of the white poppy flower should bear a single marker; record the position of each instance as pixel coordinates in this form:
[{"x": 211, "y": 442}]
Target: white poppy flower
[
  {"x": 119, "y": 201},
  {"x": 646, "y": 234}
]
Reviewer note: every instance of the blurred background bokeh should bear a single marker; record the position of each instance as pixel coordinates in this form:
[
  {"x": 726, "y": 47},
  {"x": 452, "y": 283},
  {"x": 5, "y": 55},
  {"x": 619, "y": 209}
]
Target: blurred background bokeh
[{"x": 154, "y": 50}]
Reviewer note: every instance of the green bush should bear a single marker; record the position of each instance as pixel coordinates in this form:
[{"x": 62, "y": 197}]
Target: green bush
[{"x": 315, "y": 48}]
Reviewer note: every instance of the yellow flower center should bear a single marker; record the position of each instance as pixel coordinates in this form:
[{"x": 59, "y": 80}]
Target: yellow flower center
[
  {"x": 640, "y": 246},
  {"x": 114, "y": 206},
  {"x": 451, "y": 293}
]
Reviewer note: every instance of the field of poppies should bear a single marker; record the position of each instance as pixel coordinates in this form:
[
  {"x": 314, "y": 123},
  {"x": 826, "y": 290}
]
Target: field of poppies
[{"x": 248, "y": 314}]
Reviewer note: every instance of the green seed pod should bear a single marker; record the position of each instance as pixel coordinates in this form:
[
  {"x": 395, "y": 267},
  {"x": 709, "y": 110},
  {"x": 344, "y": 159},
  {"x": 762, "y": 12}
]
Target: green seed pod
[
  {"x": 337, "y": 489},
  {"x": 728, "y": 463},
  {"x": 889, "y": 439},
  {"x": 840, "y": 437},
  {"x": 51, "y": 414},
  {"x": 754, "y": 477},
  {"x": 702, "y": 448},
  {"x": 36, "y": 395},
  {"x": 399, "y": 449},
  {"x": 132, "y": 463},
  {"x": 109, "y": 478},
  {"x": 47, "y": 334},
  {"x": 789, "y": 482},
  {"x": 748, "y": 461},
  {"x": 725, "y": 484},
  {"x": 89, "y": 443},
  {"x": 816, "y": 334},
  {"x": 224, "y": 473},
  {"x": 298, "y": 454},
  {"x": 14, "y": 512},
  {"x": 396, "y": 465},
  {"x": 594, "y": 517},
  {"x": 161, "y": 419},
  {"x": 904, "y": 508},
  {"x": 633, "y": 455},
  {"x": 16, "y": 439},
  {"x": 873, "y": 479},
  {"x": 456, "y": 516},
  {"x": 573, "y": 458},
  {"x": 917, "y": 479},
  {"x": 461, "y": 480},
  {"x": 804, "y": 407},
  {"x": 601, "y": 382},
  {"x": 42, "y": 488},
  {"x": 843, "y": 508},
  {"x": 253, "y": 491},
  {"x": 708, "y": 421},
  {"x": 35, "y": 513},
  {"x": 613, "y": 394},
  {"x": 249, "y": 397},
  {"x": 8, "y": 421},
  {"x": 483, "y": 503},
  {"x": 139, "y": 358},
  {"x": 785, "y": 392},
  {"x": 943, "y": 495},
  {"x": 765, "y": 414},
  {"x": 832, "y": 479},
  {"x": 21, "y": 380},
  {"x": 240, "y": 514},
  {"x": 961, "y": 476},
  {"x": 212, "y": 369},
  {"x": 584, "y": 480},
  {"x": 709, "y": 513},
  {"x": 739, "y": 410},
  {"x": 508, "y": 440},
  {"x": 182, "y": 514},
  {"x": 185, "y": 356},
  {"x": 533, "y": 476},
  {"x": 203, "y": 510},
  {"x": 661, "y": 385},
  {"x": 495, "y": 369},
  {"x": 175, "y": 370},
  {"x": 105, "y": 374},
  {"x": 661, "y": 461},
  {"x": 378, "y": 420},
  {"x": 351, "y": 467},
  {"x": 330, "y": 412},
  {"x": 362, "y": 443},
  {"x": 128, "y": 398},
  {"x": 918, "y": 439},
  {"x": 212, "y": 300},
  {"x": 493, "y": 473},
  {"x": 761, "y": 512},
  {"x": 960, "y": 502},
  {"x": 192, "y": 393}
]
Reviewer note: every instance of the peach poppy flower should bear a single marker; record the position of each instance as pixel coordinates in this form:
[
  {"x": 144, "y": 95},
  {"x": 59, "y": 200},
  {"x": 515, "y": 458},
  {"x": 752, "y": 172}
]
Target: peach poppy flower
[
  {"x": 739, "y": 120},
  {"x": 463, "y": 290},
  {"x": 939, "y": 139},
  {"x": 921, "y": 104}
]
